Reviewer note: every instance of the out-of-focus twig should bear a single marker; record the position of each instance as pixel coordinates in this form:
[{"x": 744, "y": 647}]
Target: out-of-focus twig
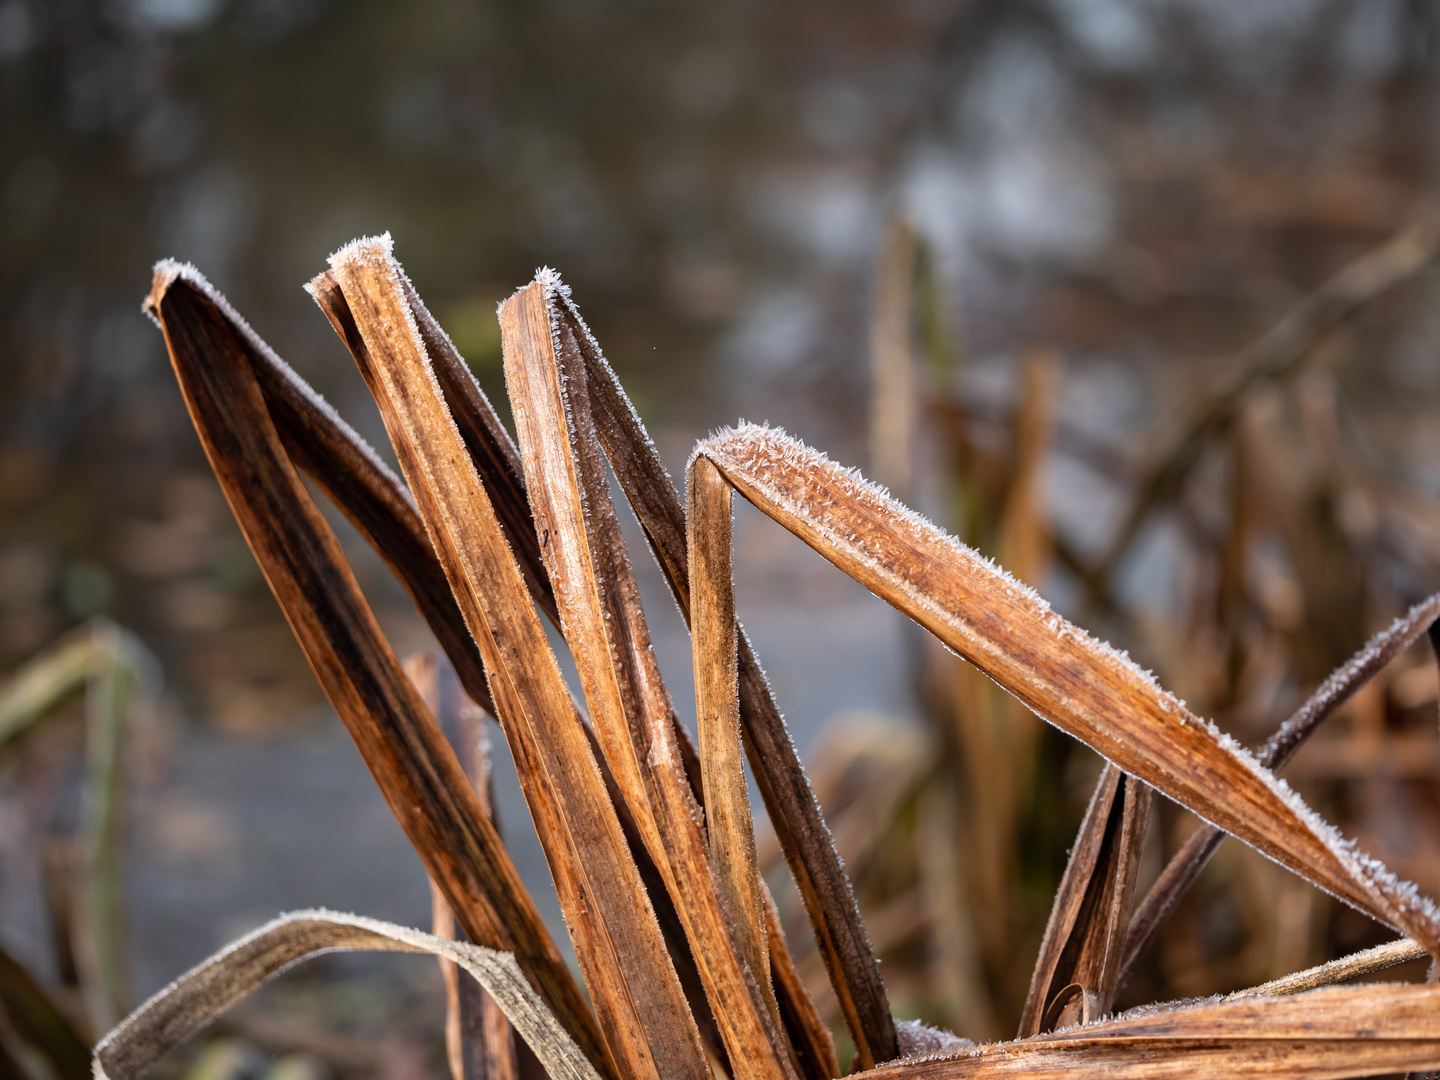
[{"x": 1278, "y": 354}]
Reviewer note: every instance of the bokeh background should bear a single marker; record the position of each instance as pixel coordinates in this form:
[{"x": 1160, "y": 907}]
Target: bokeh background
[{"x": 1095, "y": 204}]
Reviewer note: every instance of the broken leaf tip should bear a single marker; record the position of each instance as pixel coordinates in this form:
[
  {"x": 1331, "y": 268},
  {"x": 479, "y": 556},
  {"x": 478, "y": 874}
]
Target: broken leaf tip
[
  {"x": 364, "y": 249},
  {"x": 166, "y": 273}
]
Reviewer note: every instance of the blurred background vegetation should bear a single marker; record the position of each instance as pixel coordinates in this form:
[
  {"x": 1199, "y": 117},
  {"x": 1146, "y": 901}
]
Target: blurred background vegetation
[{"x": 995, "y": 251}]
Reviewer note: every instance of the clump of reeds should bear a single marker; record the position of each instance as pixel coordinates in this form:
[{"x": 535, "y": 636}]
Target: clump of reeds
[{"x": 648, "y": 835}]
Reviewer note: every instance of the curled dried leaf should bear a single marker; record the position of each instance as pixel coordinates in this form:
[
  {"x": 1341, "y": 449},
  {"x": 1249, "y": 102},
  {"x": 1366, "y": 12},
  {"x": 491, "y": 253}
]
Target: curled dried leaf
[{"x": 207, "y": 990}]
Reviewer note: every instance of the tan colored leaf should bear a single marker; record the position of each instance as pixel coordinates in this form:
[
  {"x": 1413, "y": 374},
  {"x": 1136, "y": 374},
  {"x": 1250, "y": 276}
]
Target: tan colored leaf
[
  {"x": 637, "y": 996},
  {"x": 211, "y": 350},
  {"x": 1075, "y": 682},
  {"x": 1185, "y": 865},
  {"x": 717, "y": 706},
  {"x": 207, "y": 990},
  {"x": 366, "y": 491},
  {"x": 401, "y": 535},
  {"x": 1335, "y": 1032},
  {"x": 1077, "y": 972},
  {"x": 626, "y": 697},
  {"x": 784, "y": 787},
  {"x": 493, "y": 454}
]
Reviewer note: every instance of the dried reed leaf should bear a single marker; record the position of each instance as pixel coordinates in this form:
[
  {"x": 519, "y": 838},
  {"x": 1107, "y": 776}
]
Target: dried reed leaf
[
  {"x": 211, "y": 350},
  {"x": 479, "y": 1044},
  {"x": 632, "y": 982},
  {"x": 425, "y": 576},
  {"x": 717, "y": 707},
  {"x": 1365, "y": 962},
  {"x": 810, "y": 1040},
  {"x": 1277, "y": 355},
  {"x": 40, "y": 1024},
  {"x": 1059, "y": 671},
  {"x": 606, "y": 631},
  {"x": 1185, "y": 865},
  {"x": 1085, "y": 936},
  {"x": 493, "y": 454},
  {"x": 366, "y": 491},
  {"x": 205, "y": 991},
  {"x": 794, "y": 812},
  {"x": 1334, "y": 1032}
]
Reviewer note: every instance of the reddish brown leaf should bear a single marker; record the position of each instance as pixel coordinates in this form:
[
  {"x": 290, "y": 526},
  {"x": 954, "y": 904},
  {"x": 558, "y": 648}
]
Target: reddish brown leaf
[
  {"x": 211, "y": 350},
  {"x": 785, "y": 789},
  {"x": 1185, "y": 865},
  {"x": 1055, "y": 668},
  {"x": 642, "y": 1009},
  {"x": 1335, "y": 1032},
  {"x": 605, "y": 629}
]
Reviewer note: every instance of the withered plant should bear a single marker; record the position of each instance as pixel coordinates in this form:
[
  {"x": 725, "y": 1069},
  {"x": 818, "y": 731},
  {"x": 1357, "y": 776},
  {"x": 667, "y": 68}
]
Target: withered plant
[
  {"x": 648, "y": 836},
  {"x": 1295, "y": 546}
]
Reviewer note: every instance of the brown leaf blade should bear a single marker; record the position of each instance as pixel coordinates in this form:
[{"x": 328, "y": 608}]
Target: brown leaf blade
[
  {"x": 211, "y": 349},
  {"x": 605, "y": 629},
  {"x": 207, "y": 990},
  {"x": 633, "y": 984},
  {"x": 794, "y": 812},
  {"x": 398, "y": 535},
  {"x": 717, "y": 705},
  {"x": 1085, "y": 936},
  {"x": 1335, "y": 1032},
  {"x": 366, "y": 491},
  {"x": 1185, "y": 865},
  {"x": 1059, "y": 671}
]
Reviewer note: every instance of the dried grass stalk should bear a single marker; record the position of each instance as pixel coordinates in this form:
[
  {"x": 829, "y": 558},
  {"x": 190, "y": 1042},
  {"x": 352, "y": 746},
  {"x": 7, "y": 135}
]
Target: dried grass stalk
[
  {"x": 825, "y": 889},
  {"x": 1335, "y": 1032},
  {"x": 717, "y": 706},
  {"x": 212, "y": 351},
  {"x": 641, "y": 1007},
  {"x": 606, "y": 632},
  {"x": 1354, "y": 966}
]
